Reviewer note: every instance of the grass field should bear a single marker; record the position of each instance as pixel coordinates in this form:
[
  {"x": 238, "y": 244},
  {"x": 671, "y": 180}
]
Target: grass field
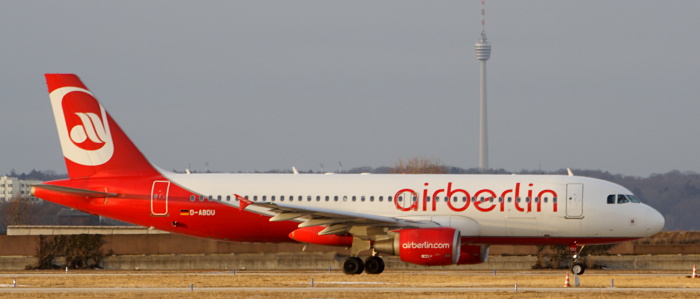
[{"x": 391, "y": 284}]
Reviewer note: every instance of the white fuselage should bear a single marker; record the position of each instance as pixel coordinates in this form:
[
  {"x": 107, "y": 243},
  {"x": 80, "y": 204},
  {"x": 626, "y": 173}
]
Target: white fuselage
[{"x": 494, "y": 206}]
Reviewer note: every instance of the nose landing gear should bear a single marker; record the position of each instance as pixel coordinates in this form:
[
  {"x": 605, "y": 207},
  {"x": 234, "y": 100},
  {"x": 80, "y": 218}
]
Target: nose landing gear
[{"x": 578, "y": 266}]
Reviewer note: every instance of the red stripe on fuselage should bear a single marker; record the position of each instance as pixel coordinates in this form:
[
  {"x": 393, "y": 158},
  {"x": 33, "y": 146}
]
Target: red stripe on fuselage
[{"x": 133, "y": 205}]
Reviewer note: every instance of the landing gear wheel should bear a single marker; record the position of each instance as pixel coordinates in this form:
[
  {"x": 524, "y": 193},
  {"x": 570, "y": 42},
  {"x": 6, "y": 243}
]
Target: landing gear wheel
[
  {"x": 353, "y": 265},
  {"x": 579, "y": 265},
  {"x": 374, "y": 265}
]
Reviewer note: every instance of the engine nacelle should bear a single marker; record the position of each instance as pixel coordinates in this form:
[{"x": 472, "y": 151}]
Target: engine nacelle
[
  {"x": 473, "y": 254},
  {"x": 423, "y": 246},
  {"x": 310, "y": 235}
]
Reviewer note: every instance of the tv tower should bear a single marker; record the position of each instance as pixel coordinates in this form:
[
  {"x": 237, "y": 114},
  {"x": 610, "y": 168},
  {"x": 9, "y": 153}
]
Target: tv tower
[{"x": 483, "y": 53}]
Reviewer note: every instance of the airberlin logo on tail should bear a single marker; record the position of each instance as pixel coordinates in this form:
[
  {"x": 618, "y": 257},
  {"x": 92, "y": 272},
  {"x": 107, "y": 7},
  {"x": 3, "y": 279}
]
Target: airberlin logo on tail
[
  {"x": 82, "y": 126},
  {"x": 91, "y": 128}
]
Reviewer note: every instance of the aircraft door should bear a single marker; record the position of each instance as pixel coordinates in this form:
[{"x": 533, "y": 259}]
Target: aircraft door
[
  {"x": 159, "y": 198},
  {"x": 574, "y": 201}
]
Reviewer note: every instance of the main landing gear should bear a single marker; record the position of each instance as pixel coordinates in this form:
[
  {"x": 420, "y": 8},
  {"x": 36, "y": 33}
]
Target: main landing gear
[
  {"x": 579, "y": 266},
  {"x": 372, "y": 265}
]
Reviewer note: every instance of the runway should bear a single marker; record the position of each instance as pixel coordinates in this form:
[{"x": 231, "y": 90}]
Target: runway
[
  {"x": 344, "y": 290},
  {"x": 302, "y": 284}
]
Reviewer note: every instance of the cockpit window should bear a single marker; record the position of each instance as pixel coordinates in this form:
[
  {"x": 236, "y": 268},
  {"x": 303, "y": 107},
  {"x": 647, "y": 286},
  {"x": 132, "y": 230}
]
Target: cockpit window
[
  {"x": 633, "y": 198},
  {"x": 611, "y": 199},
  {"x": 622, "y": 198}
]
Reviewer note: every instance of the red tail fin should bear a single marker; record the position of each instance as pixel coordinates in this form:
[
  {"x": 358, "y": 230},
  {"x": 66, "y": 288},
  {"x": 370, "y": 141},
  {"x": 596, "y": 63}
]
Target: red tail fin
[{"x": 92, "y": 143}]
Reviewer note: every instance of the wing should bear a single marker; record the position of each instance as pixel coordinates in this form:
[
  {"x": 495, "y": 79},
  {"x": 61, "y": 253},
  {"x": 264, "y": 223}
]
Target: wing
[{"x": 336, "y": 222}]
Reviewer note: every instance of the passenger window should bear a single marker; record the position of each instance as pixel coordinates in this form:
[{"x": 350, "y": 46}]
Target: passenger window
[
  {"x": 281, "y": 197},
  {"x": 381, "y": 198},
  {"x": 371, "y": 198},
  {"x": 264, "y": 198},
  {"x": 308, "y": 198},
  {"x": 272, "y": 198},
  {"x": 192, "y": 197},
  {"x": 228, "y": 197},
  {"x": 362, "y": 198},
  {"x": 389, "y": 199}
]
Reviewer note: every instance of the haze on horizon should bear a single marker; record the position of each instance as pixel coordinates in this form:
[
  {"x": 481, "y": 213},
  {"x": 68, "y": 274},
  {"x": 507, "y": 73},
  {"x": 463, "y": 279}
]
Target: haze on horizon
[{"x": 262, "y": 85}]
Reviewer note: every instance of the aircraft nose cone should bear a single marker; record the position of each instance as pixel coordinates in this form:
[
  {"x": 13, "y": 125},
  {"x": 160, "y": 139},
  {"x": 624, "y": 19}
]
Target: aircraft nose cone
[{"x": 655, "y": 221}]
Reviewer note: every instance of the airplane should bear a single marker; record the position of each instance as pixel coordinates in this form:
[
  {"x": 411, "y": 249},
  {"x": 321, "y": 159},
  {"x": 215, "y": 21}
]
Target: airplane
[{"x": 424, "y": 219}]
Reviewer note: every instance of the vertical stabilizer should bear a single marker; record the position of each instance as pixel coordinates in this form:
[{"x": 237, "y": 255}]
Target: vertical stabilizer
[{"x": 93, "y": 144}]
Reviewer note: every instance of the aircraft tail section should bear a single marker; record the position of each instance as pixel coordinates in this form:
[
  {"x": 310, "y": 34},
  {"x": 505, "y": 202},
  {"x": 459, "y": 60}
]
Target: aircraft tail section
[{"x": 93, "y": 144}]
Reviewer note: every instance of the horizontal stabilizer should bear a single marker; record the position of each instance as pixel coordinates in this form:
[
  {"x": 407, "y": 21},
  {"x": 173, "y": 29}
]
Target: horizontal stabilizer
[{"x": 75, "y": 191}]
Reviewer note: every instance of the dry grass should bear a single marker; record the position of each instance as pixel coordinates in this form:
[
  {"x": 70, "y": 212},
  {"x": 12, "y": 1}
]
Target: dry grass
[
  {"x": 395, "y": 279},
  {"x": 368, "y": 295}
]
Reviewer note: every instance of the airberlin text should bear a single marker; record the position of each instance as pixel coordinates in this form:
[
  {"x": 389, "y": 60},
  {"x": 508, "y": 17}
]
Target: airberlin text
[
  {"x": 495, "y": 200},
  {"x": 425, "y": 245}
]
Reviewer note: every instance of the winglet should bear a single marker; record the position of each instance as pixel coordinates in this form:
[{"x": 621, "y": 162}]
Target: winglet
[
  {"x": 569, "y": 172},
  {"x": 244, "y": 202}
]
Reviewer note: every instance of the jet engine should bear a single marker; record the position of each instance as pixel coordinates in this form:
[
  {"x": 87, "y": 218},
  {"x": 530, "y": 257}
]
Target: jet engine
[
  {"x": 473, "y": 254},
  {"x": 423, "y": 246}
]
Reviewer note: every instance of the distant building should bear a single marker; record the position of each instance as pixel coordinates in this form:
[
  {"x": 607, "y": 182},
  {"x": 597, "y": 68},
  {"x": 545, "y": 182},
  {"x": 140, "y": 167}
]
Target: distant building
[{"x": 13, "y": 187}]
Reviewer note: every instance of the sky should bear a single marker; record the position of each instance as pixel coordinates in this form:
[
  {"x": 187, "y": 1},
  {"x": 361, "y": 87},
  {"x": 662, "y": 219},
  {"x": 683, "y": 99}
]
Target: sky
[{"x": 264, "y": 85}]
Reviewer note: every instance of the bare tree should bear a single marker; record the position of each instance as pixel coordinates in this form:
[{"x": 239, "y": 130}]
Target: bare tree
[
  {"x": 419, "y": 165},
  {"x": 18, "y": 211}
]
